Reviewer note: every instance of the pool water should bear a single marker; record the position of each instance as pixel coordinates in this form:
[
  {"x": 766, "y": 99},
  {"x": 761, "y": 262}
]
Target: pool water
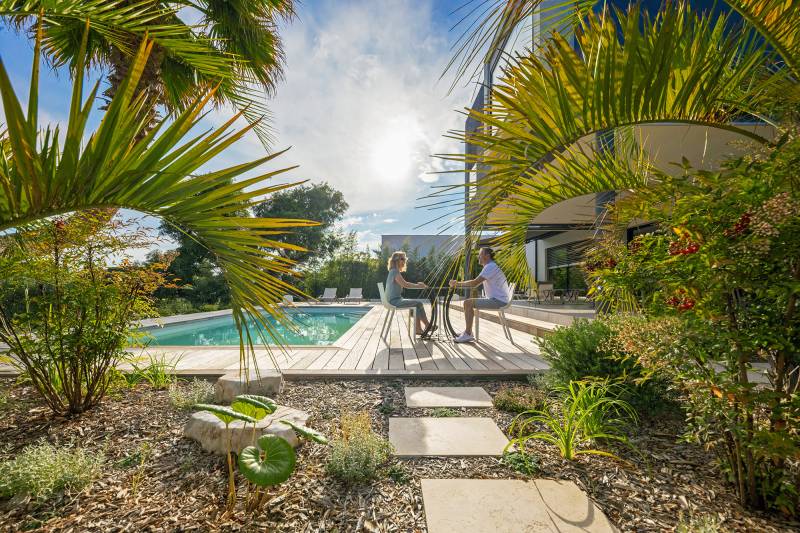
[{"x": 314, "y": 326}]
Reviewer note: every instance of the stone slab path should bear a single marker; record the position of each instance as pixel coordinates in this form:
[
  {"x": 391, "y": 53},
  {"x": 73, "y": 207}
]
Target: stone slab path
[
  {"x": 447, "y": 397},
  {"x": 509, "y": 506},
  {"x": 451, "y": 437}
]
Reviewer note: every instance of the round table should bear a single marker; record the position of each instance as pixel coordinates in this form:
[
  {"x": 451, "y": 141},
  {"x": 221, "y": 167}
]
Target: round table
[{"x": 433, "y": 294}]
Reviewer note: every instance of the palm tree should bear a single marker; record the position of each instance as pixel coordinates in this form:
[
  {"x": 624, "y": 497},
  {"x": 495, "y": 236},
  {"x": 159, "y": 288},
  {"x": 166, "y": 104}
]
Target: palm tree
[
  {"x": 234, "y": 46},
  {"x": 51, "y": 171},
  {"x": 622, "y": 69}
]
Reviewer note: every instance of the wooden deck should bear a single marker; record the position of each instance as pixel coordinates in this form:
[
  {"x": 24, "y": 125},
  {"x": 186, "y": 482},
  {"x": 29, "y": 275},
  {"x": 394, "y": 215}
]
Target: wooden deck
[{"x": 361, "y": 352}]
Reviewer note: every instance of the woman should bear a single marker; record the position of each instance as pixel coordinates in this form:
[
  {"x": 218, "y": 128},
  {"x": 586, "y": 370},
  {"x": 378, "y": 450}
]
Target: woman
[{"x": 395, "y": 282}]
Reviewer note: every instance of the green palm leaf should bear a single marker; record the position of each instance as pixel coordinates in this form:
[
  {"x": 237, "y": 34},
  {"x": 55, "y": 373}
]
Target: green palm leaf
[{"x": 52, "y": 172}]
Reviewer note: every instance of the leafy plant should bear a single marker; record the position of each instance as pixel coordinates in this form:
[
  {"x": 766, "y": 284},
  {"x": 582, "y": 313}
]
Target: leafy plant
[
  {"x": 589, "y": 413},
  {"x": 357, "y": 452},
  {"x": 519, "y": 399},
  {"x": 706, "y": 523},
  {"x": 158, "y": 372},
  {"x": 184, "y": 395},
  {"x": 717, "y": 290},
  {"x": 40, "y": 470},
  {"x": 398, "y": 473},
  {"x": 522, "y": 461},
  {"x": 444, "y": 412}
]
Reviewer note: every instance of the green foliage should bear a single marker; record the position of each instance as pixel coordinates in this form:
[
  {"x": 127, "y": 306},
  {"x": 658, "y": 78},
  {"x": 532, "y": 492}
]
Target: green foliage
[
  {"x": 80, "y": 299},
  {"x": 158, "y": 371},
  {"x": 269, "y": 462},
  {"x": 444, "y": 412},
  {"x": 175, "y": 306},
  {"x": 399, "y": 473},
  {"x": 256, "y": 406},
  {"x": 224, "y": 413},
  {"x": 585, "y": 350},
  {"x": 186, "y": 395},
  {"x": 522, "y": 462},
  {"x": 40, "y": 470},
  {"x": 357, "y": 452},
  {"x": 706, "y": 523},
  {"x": 519, "y": 399},
  {"x": 717, "y": 289},
  {"x": 306, "y": 432},
  {"x": 589, "y": 413}
]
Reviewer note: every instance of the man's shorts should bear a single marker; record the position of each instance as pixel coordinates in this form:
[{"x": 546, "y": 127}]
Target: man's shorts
[{"x": 489, "y": 303}]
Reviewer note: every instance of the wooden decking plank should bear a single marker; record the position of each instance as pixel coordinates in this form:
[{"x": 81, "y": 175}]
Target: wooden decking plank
[
  {"x": 307, "y": 357},
  {"x": 396, "y": 349},
  {"x": 374, "y": 345},
  {"x": 440, "y": 358},
  {"x": 410, "y": 359},
  {"x": 371, "y": 328}
]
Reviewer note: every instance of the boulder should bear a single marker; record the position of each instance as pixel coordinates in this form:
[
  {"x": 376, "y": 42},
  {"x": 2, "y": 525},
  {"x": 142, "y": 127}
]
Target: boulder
[
  {"x": 210, "y": 431},
  {"x": 229, "y": 386}
]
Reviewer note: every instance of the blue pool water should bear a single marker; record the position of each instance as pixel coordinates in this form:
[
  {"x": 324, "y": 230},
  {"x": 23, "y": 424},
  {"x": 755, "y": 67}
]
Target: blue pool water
[{"x": 313, "y": 326}]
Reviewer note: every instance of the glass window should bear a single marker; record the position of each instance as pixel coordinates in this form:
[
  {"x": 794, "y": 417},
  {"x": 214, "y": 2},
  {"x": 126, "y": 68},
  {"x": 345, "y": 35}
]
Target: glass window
[{"x": 563, "y": 265}]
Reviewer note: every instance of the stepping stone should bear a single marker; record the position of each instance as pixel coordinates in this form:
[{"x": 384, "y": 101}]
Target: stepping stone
[
  {"x": 510, "y": 506},
  {"x": 451, "y": 437},
  {"x": 447, "y": 397}
]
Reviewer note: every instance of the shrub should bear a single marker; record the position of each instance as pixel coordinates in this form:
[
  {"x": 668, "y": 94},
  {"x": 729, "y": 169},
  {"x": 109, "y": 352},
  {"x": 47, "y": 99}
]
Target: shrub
[
  {"x": 175, "y": 306},
  {"x": 158, "y": 372},
  {"x": 80, "y": 301},
  {"x": 699, "y": 524},
  {"x": 357, "y": 452},
  {"x": 522, "y": 462},
  {"x": 186, "y": 395},
  {"x": 586, "y": 350},
  {"x": 40, "y": 470},
  {"x": 519, "y": 399}
]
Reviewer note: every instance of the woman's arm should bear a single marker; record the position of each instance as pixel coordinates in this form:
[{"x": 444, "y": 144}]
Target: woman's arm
[{"x": 407, "y": 284}]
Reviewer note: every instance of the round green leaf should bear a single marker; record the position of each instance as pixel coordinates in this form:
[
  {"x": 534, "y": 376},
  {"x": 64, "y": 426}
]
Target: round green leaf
[
  {"x": 226, "y": 414},
  {"x": 275, "y": 467},
  {"x": 306, "y": 432}
]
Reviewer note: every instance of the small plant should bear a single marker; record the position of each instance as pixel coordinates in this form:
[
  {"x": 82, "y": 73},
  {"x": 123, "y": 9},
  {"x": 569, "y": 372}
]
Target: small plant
[
  {"x": 519, "y": 399},
  {"x": 522, "y": 462},
  {"x": 42, "y": 469},
  {"x": 357, "y": 451},
  {"x": 137, "y": 461},
  {"x": 699, "y": 524},
  {"x": 185, "y": 395},
  {"x": 444, "y": 412},
  {"x": 590, "y": 413},
  {"x": 159, "y": 372},
  {"x": 398, "y": 473}
]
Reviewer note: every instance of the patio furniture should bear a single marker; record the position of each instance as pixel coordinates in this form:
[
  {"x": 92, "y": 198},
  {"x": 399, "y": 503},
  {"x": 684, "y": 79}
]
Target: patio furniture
[
  {"x": 354, "y": 296},
  {"x": 288, "y": 299},
  {"x": 501, "y": 314},
  {"x": 545, "y": 292},
  {"x": 387, "y": 322},
  {"x": 329, "y": 295}
]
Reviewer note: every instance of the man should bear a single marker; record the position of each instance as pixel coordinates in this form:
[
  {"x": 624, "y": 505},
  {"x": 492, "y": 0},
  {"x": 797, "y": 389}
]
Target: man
[{"x": 495, "y": 287}]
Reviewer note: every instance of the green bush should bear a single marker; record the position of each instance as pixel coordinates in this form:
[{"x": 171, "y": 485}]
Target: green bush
[
  {"x": 175, "y": 306},
  {"x": 186, "y": 395},
  {"x": 586, "y": 349},
  {"x": 519, "y": 399},
  {"x": 357, "y": 452},
  {"x": 43, "y": 469}
]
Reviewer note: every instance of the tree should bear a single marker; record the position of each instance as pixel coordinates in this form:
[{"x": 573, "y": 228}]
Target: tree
[
  {"x": 320, "y": 202},
  {"x": 45, "y": 174},
  {"x": 234, "y": 46},
  {"x": 535, "y": 144}
]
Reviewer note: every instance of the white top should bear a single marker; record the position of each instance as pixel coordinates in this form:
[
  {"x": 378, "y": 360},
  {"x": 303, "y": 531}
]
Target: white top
[{"x": 495, "y": 284}]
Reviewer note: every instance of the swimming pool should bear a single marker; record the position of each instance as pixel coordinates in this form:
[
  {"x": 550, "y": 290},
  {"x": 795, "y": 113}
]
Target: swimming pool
[{"x": 317, "y": 326}]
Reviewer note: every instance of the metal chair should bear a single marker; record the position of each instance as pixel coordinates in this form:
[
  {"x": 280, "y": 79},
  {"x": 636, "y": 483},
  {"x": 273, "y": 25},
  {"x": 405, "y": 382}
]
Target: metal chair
[
  {"x": 387, "y": 322},
  {"x": 501, "y": 313}
]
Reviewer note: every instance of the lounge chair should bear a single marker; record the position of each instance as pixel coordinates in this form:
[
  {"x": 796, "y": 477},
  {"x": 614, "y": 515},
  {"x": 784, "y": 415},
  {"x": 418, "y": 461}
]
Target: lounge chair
[
  {"x": 329, "y": 295},
  {"x": 354, "y": 296}
]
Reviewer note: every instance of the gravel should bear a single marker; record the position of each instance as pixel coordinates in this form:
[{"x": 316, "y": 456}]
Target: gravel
[{"x": 156, "y": 480}]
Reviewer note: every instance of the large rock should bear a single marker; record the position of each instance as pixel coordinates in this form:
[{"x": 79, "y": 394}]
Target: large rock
[
  {"x": 210, "y": 431},
  {"x": 229, "y": 386}
]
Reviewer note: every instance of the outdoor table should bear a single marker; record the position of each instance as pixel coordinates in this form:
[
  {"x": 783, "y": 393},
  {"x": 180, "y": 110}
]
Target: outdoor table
[{"x": 441, "y": 319}]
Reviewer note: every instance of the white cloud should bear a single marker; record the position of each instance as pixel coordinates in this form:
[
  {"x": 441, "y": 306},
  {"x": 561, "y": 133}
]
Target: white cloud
[
  {"x": 368, "y": 239},
  {"x": 351, "y": 221},
  {"x": 361, "y": 106},
  {"x": 389, "y": 220}
]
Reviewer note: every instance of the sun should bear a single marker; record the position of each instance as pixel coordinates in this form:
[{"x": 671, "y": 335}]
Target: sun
[{"x": 394, "y": 152}]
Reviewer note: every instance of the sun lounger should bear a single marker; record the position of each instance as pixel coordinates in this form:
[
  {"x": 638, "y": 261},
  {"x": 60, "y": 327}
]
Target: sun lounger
[{"x": 354, "y": 296}]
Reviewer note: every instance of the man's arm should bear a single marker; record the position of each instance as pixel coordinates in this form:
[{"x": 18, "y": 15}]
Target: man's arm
[{"x": 467, "y": 283}]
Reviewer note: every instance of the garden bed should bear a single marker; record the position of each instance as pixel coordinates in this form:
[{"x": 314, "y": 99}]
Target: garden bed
[{"x": 155, "y": 479}]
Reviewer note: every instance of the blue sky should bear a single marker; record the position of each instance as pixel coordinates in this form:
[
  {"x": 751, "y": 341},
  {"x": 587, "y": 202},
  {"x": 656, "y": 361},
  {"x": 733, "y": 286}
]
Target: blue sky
[{"x": 361, "y": 105}]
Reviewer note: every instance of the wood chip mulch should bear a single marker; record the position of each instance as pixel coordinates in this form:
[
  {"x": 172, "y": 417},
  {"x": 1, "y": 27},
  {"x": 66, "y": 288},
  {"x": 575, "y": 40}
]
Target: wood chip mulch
[{"x": 155, "y": 480}]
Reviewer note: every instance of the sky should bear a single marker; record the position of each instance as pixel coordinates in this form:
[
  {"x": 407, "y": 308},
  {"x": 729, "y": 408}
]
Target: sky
[{"x": 361, "y": 107}]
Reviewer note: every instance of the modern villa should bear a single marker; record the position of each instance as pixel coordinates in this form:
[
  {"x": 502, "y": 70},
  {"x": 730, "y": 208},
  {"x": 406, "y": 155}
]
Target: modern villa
[{"x": 558, "y": 237}]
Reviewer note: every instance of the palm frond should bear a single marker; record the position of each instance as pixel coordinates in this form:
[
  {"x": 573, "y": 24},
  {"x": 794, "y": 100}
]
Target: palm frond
[
  {"x": 777, "y": 21},
  {"x": 49, "y": 172}
]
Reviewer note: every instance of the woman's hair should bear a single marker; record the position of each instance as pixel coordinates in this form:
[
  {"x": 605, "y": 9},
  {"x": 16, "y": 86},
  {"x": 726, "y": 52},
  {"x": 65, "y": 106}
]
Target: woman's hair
[
  {"x": 488, "y": 252},
  {"x": 395, "y": 259}
]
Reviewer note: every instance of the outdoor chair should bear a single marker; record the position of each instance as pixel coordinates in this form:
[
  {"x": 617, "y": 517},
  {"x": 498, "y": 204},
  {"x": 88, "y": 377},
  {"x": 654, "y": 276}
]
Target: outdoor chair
[
  {"x": 501, "y": 313},
  {"x": 329, "y": 295},
  {"x": 354, "y": 296},
  {"x": 544, "y": 292},
  {"x": 387, "y": 322}
]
